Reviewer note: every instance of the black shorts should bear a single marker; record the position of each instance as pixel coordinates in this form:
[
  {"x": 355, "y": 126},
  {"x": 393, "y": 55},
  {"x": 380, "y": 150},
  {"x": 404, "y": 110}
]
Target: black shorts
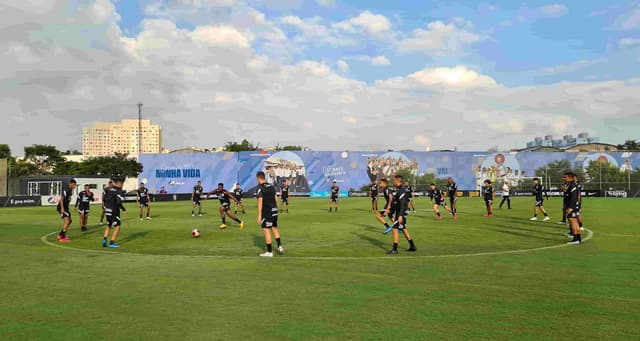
[
  {"x": 374, "y": 199},
  {"x": 225, "y": 205},
  {"x": 270, "y": 222},
  {"x": 440, "y": 203},
  {"x": 488, "y": 201},
  {"x": 402, "y": 226},
  {"x": 66, "y": 214},
  {"x": 334, "y": 199},
  {"x": 113, "y": 221},
  {"x": 575, "y": 214},
  {"x": 539, "y": 203},
  {"x": 144, "y": 204},
  {"x": 84, "y": 211},
  {"x": 453, "y": 199},
  {"x": 285, "y": 200}
]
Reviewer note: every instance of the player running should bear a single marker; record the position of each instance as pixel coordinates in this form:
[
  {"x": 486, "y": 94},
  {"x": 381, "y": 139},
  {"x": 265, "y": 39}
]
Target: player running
[
  {"x": 63, "y": 210},
  {"x": 438, "y": 200},
  {"x": 268, "y": 214},
  {"x": 410, "y": 193},
  {"x": 373, "y": 194},
  {"x": 573, "y": 211},
  {"x": 388, "y": 209},
  {"x": 238, "y": 193},
  {"x": 488, "y": 194},
  {"x": 104, "y": 192},
  {"x": 400, "y": 224},
  {"x": 196, "y": 196},
  {"x": 143, "y": 200},
  {"x": 452, "y": 193},
  {"x": 539, "y": 191},
  {"x": 114, "y": 197},
  {"x": 284, "y": 196},
  {"x": 335, "y": 194},
  {"x": 225, "y": 205},
  {"x": 83, "y": 203}
]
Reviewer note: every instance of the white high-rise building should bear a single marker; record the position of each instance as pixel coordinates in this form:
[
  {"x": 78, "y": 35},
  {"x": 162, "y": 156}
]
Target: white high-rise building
[{"x": 106, "y": 139}]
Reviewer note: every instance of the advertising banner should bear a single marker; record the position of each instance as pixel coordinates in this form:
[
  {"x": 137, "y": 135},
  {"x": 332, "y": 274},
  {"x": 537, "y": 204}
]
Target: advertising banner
[{"x": 19, "y": 201}]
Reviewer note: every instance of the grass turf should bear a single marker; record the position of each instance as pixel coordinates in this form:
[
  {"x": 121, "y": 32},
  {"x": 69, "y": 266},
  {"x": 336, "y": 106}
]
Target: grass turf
[{"x": 163, "y": 284}]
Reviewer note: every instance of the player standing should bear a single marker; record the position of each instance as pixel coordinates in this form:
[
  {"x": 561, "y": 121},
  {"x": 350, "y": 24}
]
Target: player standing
[
  {"x": 196, "y": 196},
  {"x": 452, "y": 193},
  {"x": 113, "y": 206},
  {"x": 238, "y": 193},
  {"x": 284, "y": 196},
  {"x": 225, "y": 205},
  {"x": 83, "y": 203},
  {"x": 573, "y": 212},
  {"x": 580, "y": 188},
  {"x": 373, "y": 194},
  {"x": 488, "y": 195},
  {"x": 104, "y": 192},
  {"x": 400, "y": 224},
  {"x": 388, "y": 209},
  {"x": 410, "y": 193},
  {"x": 335, "y": 193},
  {"x": 63, "y": 210},
  {"x": 506, "y": 195},
  {"x": 268, "y": 214},
  {"x": 539, "y": 191},
  {"x": 438, "y": 200},
  {"x": 143, "y": 200}
]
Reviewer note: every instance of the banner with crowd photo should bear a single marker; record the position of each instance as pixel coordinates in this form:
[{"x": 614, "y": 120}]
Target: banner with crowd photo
[
  {"x": 178, "y": 173},
  {"x": 313, "y": 172}
]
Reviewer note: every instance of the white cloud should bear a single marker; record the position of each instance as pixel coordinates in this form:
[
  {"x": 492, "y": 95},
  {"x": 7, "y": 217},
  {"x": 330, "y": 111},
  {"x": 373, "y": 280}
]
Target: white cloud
[
  {"x": 630, "y": 19},
  {"x": 441, "y": 38},
  {"x": 628, "y": 42},
  {"x": 343, "y": 66},
  {"x": 221, "y": 36},
  {"x": 456, "y": 77},
  {"x": 380, "y": 61},
  {"x": 376, "y": 25},
  {"x": 572, "y": 67},
  {"x": 554, "y": 10}
]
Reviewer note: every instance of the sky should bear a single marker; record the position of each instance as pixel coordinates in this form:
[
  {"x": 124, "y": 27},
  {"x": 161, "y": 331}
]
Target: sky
[{"x": 327, "y": 74}]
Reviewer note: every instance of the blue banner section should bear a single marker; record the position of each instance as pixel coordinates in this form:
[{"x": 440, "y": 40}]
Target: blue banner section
[{"x": 311, "y": 172}]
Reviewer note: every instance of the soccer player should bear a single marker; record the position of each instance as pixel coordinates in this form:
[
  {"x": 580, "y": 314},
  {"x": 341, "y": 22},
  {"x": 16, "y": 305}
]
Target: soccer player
[
  {"x": 63, "y": 209},
  {"x": 196, "y": 195},
  {"x": 225, "y": 205},
  {"x": 538, "y": 192},
  {"x": 373, "y": 194},
  {"x": 284, "y": 196},
  {"x": 400, "y": 224},
  {"x": 488, "y": 195},
  {"x": 565, "y": 201},
  {"x": 388, "y": 207},
  {"x": 573, "y": 211},
  {"x": 410, "y": 193},
  {"x": 438, "y": 200},
  {"x": 452, "y": 193},
  {"x": 580, "y": 188},
  {"x": 238, "y": 193},
  {"x": 335, "y": 193},
  {"x": 104, "y": 192},
  {"x": 113, "y": 206},
  {"x": 505, "y": 195},
  {"x": 268, "y": 214},
  {"x": 83, "y": 203},
  {"x": 142, "y": 198}
]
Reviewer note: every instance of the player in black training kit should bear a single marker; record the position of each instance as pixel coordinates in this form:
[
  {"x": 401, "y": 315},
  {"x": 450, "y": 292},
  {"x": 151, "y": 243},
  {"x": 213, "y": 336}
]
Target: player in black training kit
[
  {"x": 387, "y": 211},
  {"x": 410, "y": 193},
  {"x": 196, "y": 196},
  {"x": 487, "y": 196},
  {"x": 268, "y": 213},
  {"x": 225, "y": 205},
  {"x": 565, "y": 202},
  {"x": 143, "y": 200},
  {"x": 438, "y": 200},
  {"x": 452, "y": 193},
  {"x": 284, "y": 196},
  {"x": 401, "y": 201},
  {"x": 573, "y": 211},
  {"x": 238, "y": 193},
  {"x": 114, "y": 197},
  {"x": 539, "y": 191},
  {"x": 373, "y": 194},
  {"x": 83, "y": 203},
  {"x": 63, "y": 210},
  {"x": 335, "y": 193},
  {"x": 104, "y": 192}
]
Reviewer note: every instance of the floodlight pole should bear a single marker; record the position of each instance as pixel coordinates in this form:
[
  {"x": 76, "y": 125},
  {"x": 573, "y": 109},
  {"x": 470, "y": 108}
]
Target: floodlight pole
[{"x": 139, "y": 130}]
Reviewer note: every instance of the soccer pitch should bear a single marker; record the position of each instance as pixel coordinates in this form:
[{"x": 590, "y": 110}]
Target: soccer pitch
[{"x": 483, "y": 278}]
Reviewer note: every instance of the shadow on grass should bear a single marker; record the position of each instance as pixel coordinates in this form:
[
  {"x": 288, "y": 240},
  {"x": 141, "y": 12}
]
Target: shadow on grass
[
  {"x": 373, "y": 241},
  {"x": 134, "y": 236}
]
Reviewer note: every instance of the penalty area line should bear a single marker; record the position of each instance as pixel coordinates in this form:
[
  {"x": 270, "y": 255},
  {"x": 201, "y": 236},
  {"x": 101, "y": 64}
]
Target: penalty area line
[{"x": 45, "y": 240}]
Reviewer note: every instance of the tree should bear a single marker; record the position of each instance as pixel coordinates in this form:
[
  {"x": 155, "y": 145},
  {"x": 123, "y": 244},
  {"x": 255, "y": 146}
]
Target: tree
[
  {"x": 292, "y": 148},
  {"x": 243, "y": 146},
  {"x": 21, "y": 168},
  {"x": 605, "y": 176},
  {"x": 5, "y": 151},
  {"x": 629, "y": 145},
  {"x": 72, "y": 152},
  {"x": 44, "y": 157},
  {"x": 109, "y": 166},
  {"x": 68, "y": 168},
  {"x": 553, "y": 173}
]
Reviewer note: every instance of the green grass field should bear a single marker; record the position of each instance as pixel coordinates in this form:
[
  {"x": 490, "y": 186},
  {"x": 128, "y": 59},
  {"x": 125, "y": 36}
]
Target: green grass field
[{"x": 475, "y": 278}]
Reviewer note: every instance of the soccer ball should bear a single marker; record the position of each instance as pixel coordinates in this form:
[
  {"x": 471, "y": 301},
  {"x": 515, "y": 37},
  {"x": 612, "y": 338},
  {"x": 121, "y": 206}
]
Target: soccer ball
[{"x": 195, "y": 233}]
